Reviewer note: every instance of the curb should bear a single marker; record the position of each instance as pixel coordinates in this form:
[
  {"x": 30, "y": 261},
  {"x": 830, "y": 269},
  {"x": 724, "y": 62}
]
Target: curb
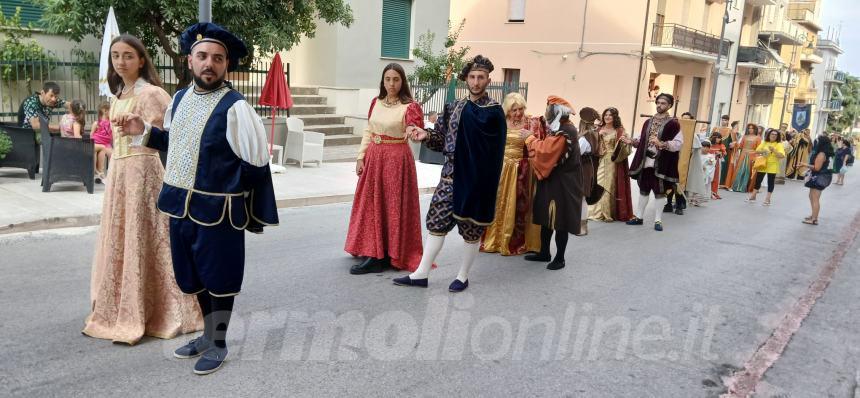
[{"x": 95, "y": 219}]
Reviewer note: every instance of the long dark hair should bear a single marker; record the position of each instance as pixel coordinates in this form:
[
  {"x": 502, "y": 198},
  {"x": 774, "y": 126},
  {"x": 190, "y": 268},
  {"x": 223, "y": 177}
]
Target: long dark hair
[
  {"x": 616, "y": 121},
  {"x": 405, "y": 93},
  {"x": 822, "y": 145},
  {"x": 147, "y": 71},
  {"x": 747, "y": 129}
]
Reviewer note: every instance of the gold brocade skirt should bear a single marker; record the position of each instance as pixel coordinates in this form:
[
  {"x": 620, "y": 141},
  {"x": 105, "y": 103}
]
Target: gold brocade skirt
[{"x": 512, "y": 231}]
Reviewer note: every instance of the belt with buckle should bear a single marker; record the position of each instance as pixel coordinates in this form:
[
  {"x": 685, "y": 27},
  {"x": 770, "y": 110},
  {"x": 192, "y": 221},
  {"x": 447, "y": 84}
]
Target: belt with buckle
[{"x": 377, "y": 139}]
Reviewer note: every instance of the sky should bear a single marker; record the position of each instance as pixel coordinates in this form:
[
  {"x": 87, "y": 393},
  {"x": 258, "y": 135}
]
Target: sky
[{"x": 846, "y": 13}]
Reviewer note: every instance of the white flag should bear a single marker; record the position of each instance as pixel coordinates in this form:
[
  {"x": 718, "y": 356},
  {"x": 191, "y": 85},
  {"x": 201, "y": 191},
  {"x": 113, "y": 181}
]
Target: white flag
[{"x": 111, "y": 31}]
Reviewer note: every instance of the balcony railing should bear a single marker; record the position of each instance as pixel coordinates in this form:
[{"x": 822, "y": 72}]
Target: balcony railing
[
  {"x": 804, "y": 14},
  {"x": 834, "y": 75},
  {"x": 686, "y": 38},
  {"x": 828, "y": 43},
  {"x": 788, "y": 32},
  {"x": 752, "y": 54},
  {"x": 773, "y": 78},
  {"x": 834, "y": 105}
]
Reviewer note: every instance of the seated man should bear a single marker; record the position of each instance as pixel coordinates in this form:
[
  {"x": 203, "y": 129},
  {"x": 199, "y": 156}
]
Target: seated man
[{"x": 41, "y": 104}]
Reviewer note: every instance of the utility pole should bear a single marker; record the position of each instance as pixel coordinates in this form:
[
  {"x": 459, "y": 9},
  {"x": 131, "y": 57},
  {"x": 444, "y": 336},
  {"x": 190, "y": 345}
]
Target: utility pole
[
  {"x": 717, "y": 64},
  {"x": 787, "y": 82},
  {"x": 204, "y": 10}
]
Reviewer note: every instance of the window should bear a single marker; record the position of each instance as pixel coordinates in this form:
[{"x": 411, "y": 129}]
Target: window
[
  {"x": 396, "y": 28},
  {"x": 512, "y": 76},
  {"x": 517, "y": 10},
  {"x": 30, "y": 12}
]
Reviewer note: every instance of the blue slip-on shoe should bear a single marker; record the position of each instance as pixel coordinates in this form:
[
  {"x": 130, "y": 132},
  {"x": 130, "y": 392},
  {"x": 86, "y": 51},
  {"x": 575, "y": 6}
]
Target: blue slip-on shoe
[
  {"x": 658, "y": 226},
  {"x": 194, "y": 348},
  {"x": 211, "y": 361},
  {"x": 407, "y": 281},
  {"x": 457, "y": 286},
  {"x": 635, "y": 221}
]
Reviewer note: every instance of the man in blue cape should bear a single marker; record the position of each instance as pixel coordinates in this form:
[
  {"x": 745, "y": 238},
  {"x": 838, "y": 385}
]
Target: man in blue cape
[{"x": 471, "y": 133}]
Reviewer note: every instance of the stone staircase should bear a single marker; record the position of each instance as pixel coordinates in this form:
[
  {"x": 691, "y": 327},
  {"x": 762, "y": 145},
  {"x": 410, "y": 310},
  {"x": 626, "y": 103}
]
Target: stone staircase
[{"x": 340, "y": 142}]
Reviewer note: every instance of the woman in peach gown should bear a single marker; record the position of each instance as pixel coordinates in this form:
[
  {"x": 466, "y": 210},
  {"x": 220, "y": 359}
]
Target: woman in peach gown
[{"x": 133, "y": 291}]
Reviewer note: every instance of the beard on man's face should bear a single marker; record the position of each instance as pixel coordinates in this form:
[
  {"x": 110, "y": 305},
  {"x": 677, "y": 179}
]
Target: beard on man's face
[{"x": 212, "y": 84}]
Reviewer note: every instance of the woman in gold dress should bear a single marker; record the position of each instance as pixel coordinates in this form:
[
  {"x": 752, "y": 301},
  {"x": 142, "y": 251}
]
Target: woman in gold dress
[
  {"x": 133, "y": 291},
  {"x": 512, "y": 231}
]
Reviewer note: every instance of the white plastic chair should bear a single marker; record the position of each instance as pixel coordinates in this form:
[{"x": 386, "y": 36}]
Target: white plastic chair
[{"x": 303, "y": 146}]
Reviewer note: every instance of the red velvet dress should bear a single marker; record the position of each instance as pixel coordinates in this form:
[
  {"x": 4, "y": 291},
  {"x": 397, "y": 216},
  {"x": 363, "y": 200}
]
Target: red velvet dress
[{"x": 386, "y": 219}]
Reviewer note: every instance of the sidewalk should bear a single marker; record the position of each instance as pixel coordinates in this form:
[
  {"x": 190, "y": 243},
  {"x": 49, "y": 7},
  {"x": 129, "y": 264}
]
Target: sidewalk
[{"x": 23, "y": 205}]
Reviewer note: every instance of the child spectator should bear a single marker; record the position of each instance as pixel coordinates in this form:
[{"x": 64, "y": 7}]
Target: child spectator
[
  {"x": 72, "y": 123},
  {"x": 708, "y": 166},
  {"x": 718, "y": 149},
  {"x": 102, "y": 138}
]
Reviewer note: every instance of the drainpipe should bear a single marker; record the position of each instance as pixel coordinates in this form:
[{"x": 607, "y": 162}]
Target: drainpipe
[{"x": 641, "y": 63}]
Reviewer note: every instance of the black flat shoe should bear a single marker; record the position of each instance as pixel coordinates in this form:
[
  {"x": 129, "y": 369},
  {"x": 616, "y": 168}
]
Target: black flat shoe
[
  {"x": 370, "y": 265},
  {"x": 555, "y": 265},
  {"x": 668, "y": 208},
  {"x": 679, "y": 211},
  {"x": 537, "y": 257},
  {"x": 635, "y": 221}
]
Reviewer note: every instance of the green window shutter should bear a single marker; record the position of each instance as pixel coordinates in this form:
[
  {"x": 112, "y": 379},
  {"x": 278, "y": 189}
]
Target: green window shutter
[
  {"x": 30, "y": 13},
  {"x": 396, "y": 28}
]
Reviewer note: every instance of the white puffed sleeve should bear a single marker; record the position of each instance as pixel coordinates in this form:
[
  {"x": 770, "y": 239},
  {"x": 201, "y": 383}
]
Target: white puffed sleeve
[
  {"x": 584, "y": 146},
  {"x": 246, "y": 134}
]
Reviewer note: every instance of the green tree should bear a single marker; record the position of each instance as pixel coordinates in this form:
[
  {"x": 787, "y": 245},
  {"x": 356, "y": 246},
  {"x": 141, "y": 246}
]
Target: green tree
[
  {"x": 267, "y": 26},
  {"x": 436, "y": 68},
  {"x": 29, "y": 59},
  {"x": 850, "y": 105}
]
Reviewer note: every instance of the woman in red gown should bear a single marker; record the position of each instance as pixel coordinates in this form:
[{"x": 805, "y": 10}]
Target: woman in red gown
[{"x": 385, "y": 224}]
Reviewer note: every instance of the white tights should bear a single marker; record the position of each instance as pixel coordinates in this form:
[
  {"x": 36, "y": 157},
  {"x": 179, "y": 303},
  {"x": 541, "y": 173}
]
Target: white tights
[{"x": 658, "y": 207}]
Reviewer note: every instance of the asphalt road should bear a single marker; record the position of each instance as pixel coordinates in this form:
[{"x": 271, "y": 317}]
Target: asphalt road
[{"x": 636, "y": 313}]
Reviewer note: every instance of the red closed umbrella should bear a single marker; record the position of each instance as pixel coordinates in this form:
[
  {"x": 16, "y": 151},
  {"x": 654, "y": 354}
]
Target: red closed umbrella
[{"x": 276, "y": 93}]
